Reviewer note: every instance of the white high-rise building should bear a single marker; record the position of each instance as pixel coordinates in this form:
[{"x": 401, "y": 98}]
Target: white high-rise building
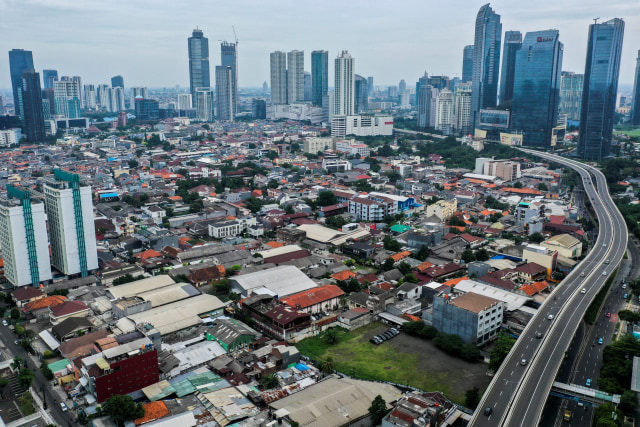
[
  {"x": 102, "y": 96},
  {"x": 185, "y": 101},
  {"x": 66, "y": 95},
  {"x": 23, "y": 236},
  {"x": 117, "y": 99},
  {"x": 344, "y": 96},
  {"x": 90, "y": 97},
  {"x": 10, "y": 137},
  {"x": 71, "y": 228},
  {"x": 463, "y": 108},
  {"x": 136, "y": 92},
  {"x": 295, "y": 76},
  {"x": 444, "y": 111},
  {"x": 278, "y": 77},
  {"x": 204, "y": 104}
]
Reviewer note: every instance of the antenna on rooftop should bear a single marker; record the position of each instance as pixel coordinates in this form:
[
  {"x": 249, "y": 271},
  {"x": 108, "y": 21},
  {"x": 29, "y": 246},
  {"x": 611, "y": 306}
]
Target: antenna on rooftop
[{"x": 595, "y": 20}]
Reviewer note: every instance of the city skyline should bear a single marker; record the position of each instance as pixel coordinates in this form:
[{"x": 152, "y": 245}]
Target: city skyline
[{"x": 397, "y": 53}]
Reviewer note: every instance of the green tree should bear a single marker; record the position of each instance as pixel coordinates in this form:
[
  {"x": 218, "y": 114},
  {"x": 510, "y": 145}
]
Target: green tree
[
  {"x": 17, "y": 363},
  {"x": 133, "y": 164},
  {"x": 543, "y": 187},
  {"x": 472, "y": 398},
  {"x": 468, "y": 256},
  {"x": 25, "y": 377},
  {"x": 377, "y": 410},
  {"x": 327, "y": 366},
  {"x": 423, "y": 253},
  {"x": 629, "y": 316},
  {"x": 332, "y": 336},
  {"x": 336, "y": 221},
  {"x": 270, "y": 381},
  {"x": 518, "y": 184},
  {"x": 26, "y": 404},
  {"x": 482, "y": 255},
  {"x": 536, "y": 237},
  {"x": 500, "y": 350},
  {"x": 15, "y": 313},
  {"x": 404, "y": 267},
  {"x": 253, "y": 204},
  {"x": 391, "y": 244},
  {"x": 388, "y": 264},
  {"x": 122, "y": 408},
  {"x": 3, "y": 383},
  {"x": 46, "y": 371},
  {"x": 456, "y": 221},
  {"x": 602, "y": 415},
  {"x": 628, "y": 402},
  {"x": 411, "y": 278},
  {"x": 326, "y": 198}
]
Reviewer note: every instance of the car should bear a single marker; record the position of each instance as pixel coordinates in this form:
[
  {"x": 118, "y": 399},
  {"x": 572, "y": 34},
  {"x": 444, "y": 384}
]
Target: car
[
  {"x": 394, "y": 330},
  {"x": 487, "y": 411},
  {"x": 538, "y": 335},
  {"x": 550, "y": 317},
  {"x": 588, "y": 383},
  {"x": 600, "y": 340},
  {"x": 582, "y": 274},
  {"x": 625, "y": 296},
  {"x": 388, "y": 335},
  {"x": 583, "y": 291},
  {"x": 604, "y": 244},
  {"x": 608, "y": 314},
  {"x": 607, "y": 261},
  {"x": 604, "y": 273},
  {"x": 4, "y": 322},
  {"x": 523, "y": 362},
  {"x": 380, "y": 337},
  {"x": 375, "y": 340},
  {"x": 63, "y": 406},
  {"x": 623, "y": 287}
]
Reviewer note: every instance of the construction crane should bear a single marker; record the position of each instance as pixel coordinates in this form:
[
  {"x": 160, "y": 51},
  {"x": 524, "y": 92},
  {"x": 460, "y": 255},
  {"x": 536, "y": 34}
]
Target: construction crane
[{"x": 234, "y": 34}]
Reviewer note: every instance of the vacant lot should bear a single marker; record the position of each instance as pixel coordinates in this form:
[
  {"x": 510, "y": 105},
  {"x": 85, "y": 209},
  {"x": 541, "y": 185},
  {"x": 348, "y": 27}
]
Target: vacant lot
[
  {"x": 404, "y": 359},
  {"x": 629, "y": 132}
]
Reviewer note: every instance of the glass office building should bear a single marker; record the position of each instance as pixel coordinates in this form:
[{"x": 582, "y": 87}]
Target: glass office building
[
  {"x": 536, "y": 87},
  {"x": 512, "y": 44},
  {"x": 199, "y": 75},
  {"x": 319, "y": 76}
]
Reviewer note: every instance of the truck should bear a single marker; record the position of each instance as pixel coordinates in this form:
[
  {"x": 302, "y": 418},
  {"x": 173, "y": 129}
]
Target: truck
[{"x": 567, "y": 415}]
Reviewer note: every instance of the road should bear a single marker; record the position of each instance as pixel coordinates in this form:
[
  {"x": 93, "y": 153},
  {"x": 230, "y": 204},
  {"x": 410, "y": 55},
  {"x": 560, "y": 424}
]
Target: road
[
  {"x": 517, "y": 393},
  {"x": 40, "y": 382}
]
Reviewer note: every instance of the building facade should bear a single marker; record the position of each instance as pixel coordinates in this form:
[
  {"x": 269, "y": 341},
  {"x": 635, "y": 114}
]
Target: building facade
[
  {"x": 295, "y": 76},
  {"x": 225, "y": 105},
  {"x": 536, "y": 91},
  {"x": 463, "y": 108},
  {"x": 571, "y": 94},
  {"x": 444, "y": 111},
  {"x": 147, "y": 109},
  {"x": 67, "y": 99},
  {"x": 229, "y": 58},
  {"x": 467, "y": 64},
  {"x": 31, "y": 107},
  {"x": 361, "y": 102},
  {"x": 49, "y": 77},
  {"x": 319, "y": 76},
  {"x": 185, "y": 101},
  {"x": 278, "y": 78},
  {"x": 117, "y": 81},
  {"x": 635, "y": 109},
  {"x": 204, "y": 104},
  {"x": 199, "y": 75},
  {"x": 363, "y": 125},
  {"x": 344, "y": 93},
  {"x": 20, "y": 60},
  {"x": 475, "y": 318},
  {"x": 512, "y": 44},
  {"x": 600, "y": 91}
]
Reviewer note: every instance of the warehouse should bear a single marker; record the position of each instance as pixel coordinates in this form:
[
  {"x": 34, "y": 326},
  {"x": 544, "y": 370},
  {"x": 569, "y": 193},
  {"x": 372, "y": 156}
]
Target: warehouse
[{"x": 279, "y": 281}]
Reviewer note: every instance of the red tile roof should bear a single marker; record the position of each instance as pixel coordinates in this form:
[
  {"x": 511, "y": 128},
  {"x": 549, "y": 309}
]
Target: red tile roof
[
  {"x": 68, "y": 307},
  {"x": 344, "y": 275},
  {"x": 27, "y": 292},
  {"x": 313, "y": 296},
  {"x": 400, "y": 255},
  {"x": 51, "y": 301}
]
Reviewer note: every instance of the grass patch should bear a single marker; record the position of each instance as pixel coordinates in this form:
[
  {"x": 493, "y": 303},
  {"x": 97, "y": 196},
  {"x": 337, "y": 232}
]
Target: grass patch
[
  {"x": 355, "y": 356},
  {"x": 628, "y": 132},
  {"x": 591, "y": 314}
]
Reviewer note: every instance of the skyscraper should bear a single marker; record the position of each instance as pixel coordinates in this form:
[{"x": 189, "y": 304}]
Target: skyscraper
[
  {"x": 224, "y": 93},
  {"x": 229, "y": 58},
  {"x": 48, "y": 100},
  {"x": 67, "y": 99},
  {"x": 536, "y": 89},
  {"x": 361, "y": 103},
  {"x": 512, "y": 44},
  {"x": 20, "y": 60},
  {"x": 1, "y": 106},
  {"x": 78, "y": 80},
  {"x": 370, "y": 84},
  {"x": 402, "y": 86},
  {"x": 265, "y": 88},
  {"x": 117, "y": 81},
  {"x": 424, "y": 106},
  {"x": 424, "y": 80},
  {"x": 308, "y": 90},
  {"x": 90, "y": 97},
  {"x": 486, "y": 61},
  {"x": 199, "y": 75},
  {"x": 185, "y": 101},
  {"x": 295, "y": 76},
  {"x": 23, "y": 232},
  {"x": 139, "y": 92},
  {"x": 71, "y": 229},
  {"x": 444, "y": 111},
  {"x": 635, "y": 108},
  {"x": 571, "y": 85},
  {"x": 463, "y": 108},
  {"x": 319, "y": 76},
  {"x": 467, "y": 63},
  {"x": 278, "y": 77},
  {"x": 49, "y": 77},
  {"x": 600, "y": 89},
  {"x": 31, "y": 107},
  {"x": 204, "y": 104},
  {"x": 344, "y": 98}
]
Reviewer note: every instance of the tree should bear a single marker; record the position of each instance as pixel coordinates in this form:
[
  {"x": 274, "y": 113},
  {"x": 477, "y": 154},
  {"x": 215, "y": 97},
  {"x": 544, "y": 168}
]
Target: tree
[
  {"x": 456, "y": 221},
  {"x": 270, "y": 381},
  {"x": 500, "y": 350},
  {"x": 423, "y": 253},
  {"x": 482, "y": 255},
  {"x": 15, "y": 313},
  {"x": 133, "y": 164},
  {"x": 377, "y": 410},
  {"x": 388, "y": 264},
  {"x": 468, "y": 256},
  {"x": 17, "y": 363},
  {"x": 628, "y": 402},
  {"x": 46, "y": 371},
  {"x": 122, "y": 408},
  {"x": 518, "y": 184},
  {"x": 602, "y": 415},
  {"x": 326, "y": 198},
  {"x": 543, "y": 187},
  {"x": 327, "y": 366},
  {"x": 3, "y": 383},
  {"x": 629, "y": 316},
  {"x": 391, "y": 244},
  {"x": 253, "y": 204},
  {"x": 411, "y": 278},
  {"x": 331, "y": 336},
  {"x": 336, "y": 221},
  {"x": 25, "y": 377},
  {"x": 536, "y": 237},
  {"x": 404, "y": 267},
  {"x": 26, "y": 404},
  {"x": 472, "y": 398}
]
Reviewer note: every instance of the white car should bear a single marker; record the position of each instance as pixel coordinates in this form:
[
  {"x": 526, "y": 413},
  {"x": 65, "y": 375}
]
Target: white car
[
  {"x": 63, "y": 406},
  {"x": 583, "y": 291},
  {"x": 550, "y": 317}
]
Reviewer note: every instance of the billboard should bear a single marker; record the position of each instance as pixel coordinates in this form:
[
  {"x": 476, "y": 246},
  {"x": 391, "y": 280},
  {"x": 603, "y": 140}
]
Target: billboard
[
  {"x": 494, "y": 118},
  {"x": 510, "y": 139}
]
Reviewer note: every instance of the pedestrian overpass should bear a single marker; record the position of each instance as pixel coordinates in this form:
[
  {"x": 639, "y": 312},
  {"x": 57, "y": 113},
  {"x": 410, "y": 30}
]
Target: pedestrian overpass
[{"x": 583, "y": 394}]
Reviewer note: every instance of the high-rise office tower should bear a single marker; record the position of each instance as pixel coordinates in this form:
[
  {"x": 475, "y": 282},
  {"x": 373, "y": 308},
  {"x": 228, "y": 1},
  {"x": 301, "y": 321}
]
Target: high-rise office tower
[
  {"x": 295, "y": 76},
  {"x": 402, "y": 86},
  {"x": 361, "y": 94},
  {"x": 536, "y": 90},
  {"x": 1, "y": 106},
  {"x": 308, "y": 91},
  {"x": 600, "y": 90},
  {"x": 424, "y": 80},
  {"x": 146, "y": 109},
  {"x": 204, "y": 104},
  {"x": 199, "y": 76},
  {"x": 72, "y": 232},
  {"x": 444, "y": 111},
  {"x": 185, "y": 101},
  {"x": 20, "y": 60},
  {"x": 49, "y": 77},
  {"x": 370, "y": 84},
  {"x": 259, "y": 109},
  {"x": 278, "y": 77},
  {"x": 117, "y": 81},
  {"x": 635, "y": 108},
  {"x": 67, "y": 99},
  {"x": 49, "y": 99},
  {"x": 463, "y": 108},
  {"x": 23, "y": 233},
  {"x": 344, "y": 97},
  {"x": 115, "y": 99},
  {"x": 424, "y": 106},
  {"x": 229, "y": 58},
  {"x": 571, "y": 94},
  {"x": 102, "y": 96},
  {"x": 392, "y": 92},
  {"x": 31, "y": 107},
  {"x": 486, "y": 61},
  {"x": 512, "y": 44},
  {"x": 467, "y": 63},
  {"x": 319, "y": 76},
  {"x": 78, "y": 80},
  {"x": 138, "y": 92},
  {"x": 224, "y": 93},
  {"x": 265, "y": 88}
]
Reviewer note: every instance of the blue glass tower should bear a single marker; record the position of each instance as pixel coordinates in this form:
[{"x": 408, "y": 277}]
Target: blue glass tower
[
  {"x": 600, "y": 89},
  {"x": 536, "y": 88},
  {"x": 467, "y": 64},
  {"x": 20, "y": 60},
  {"x": 486, "y": 61},
  {"x": 319, "y": 76},
  {"x": 199, "y": 75},
  {"x": 49, "y": 77},
  {"x": 512, "y": 44},
  {"x": 635, "y": 110}
]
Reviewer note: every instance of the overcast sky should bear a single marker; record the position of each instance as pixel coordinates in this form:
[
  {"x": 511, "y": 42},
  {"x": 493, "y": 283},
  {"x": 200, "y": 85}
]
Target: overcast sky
[{"x": 146, "y": 40}]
